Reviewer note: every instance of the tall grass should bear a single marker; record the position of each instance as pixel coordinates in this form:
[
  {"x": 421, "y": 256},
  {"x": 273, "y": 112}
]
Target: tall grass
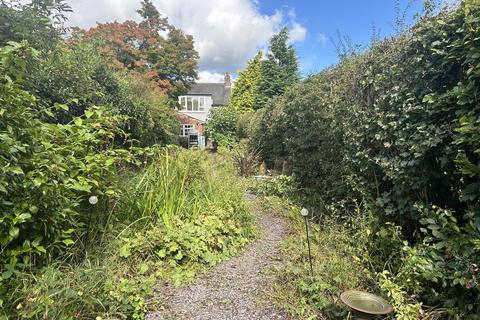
[
  {"x": 181, "y": 185},
  {"x": 338, "y": 250},
  {"x": 161, "y": 191},
  {"x": 181, "y": 214},
  {"x": 177, "y": 185}
]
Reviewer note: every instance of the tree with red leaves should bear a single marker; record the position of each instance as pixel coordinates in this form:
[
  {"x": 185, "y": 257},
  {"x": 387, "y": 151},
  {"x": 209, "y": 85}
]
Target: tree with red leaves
[{"x": 153, "y": 48}]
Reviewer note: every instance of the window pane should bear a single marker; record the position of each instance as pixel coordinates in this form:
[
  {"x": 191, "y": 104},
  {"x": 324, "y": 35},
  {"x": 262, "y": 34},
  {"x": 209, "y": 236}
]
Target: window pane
[
  {"x": 189, "y": 103},
  {"x": 185, "y": 128},
  {"x": 195, "y": 103}
]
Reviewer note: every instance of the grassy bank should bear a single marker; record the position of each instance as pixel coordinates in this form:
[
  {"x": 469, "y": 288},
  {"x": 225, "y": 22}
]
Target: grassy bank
[
  {"x": 338, "y": 255},
  {"x": 172, "y": 220}
]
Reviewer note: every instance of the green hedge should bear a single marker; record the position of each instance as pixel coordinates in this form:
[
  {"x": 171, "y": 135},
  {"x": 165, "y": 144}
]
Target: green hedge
[
  {"x": 48, "y": 171},
  {"x": 398, "y": 127}
]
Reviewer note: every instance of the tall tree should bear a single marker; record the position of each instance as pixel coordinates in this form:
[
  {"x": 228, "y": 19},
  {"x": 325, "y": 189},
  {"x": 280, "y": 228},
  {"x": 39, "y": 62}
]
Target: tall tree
[
  {"x": 153, "y": 47},
  {"x": 151, "y": 17},
  {"x": 176, "y": 61},
  {"x": 280, "y": 69},
  {"x": 246, "y": 94}
]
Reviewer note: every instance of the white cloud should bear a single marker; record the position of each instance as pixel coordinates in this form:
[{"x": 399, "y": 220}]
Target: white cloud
[
  {"x": 322, "y": 39},
  {"x": 207, "y": 76},
  {"x": 226, "y": 32},
  {"x": 86, "y": 13},
  {"x": 297, "y": 32}
]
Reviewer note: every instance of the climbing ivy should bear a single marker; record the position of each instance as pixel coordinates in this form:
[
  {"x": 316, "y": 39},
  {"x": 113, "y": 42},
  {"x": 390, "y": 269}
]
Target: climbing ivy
[{"x": 398, "y": 128}]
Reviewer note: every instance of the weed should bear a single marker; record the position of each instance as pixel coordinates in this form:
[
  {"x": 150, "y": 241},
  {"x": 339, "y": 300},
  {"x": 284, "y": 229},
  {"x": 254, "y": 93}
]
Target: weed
[{"x": 337, "y": 251}]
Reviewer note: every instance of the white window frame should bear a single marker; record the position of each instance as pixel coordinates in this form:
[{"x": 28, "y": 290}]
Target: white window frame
[
  {"x": 182, "y": 102},
  {"x": 197, "y": 103},
  {"x": 185, "y": 129}
]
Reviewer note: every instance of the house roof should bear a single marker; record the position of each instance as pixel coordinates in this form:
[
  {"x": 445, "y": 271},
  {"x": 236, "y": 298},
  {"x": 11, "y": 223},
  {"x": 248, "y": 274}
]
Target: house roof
[{"x": 220, "y": 94}]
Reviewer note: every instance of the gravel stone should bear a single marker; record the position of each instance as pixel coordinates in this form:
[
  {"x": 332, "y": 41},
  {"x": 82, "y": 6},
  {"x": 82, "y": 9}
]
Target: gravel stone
[{"x": 235, "y": 289}]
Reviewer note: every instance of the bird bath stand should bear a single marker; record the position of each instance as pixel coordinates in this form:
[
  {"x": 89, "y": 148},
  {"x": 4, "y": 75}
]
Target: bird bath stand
[{"x": 365, "y": 305}]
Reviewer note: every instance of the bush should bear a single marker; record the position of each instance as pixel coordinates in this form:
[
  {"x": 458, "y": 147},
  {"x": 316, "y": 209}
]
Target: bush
[
  {"x": 49, "y": 170},
  {"x": 280, "y": 186},
  {"x": 397, "y": 127},
  {"x": 222, "y": 126},
  {"x": 147, "y": 236},
  {"x": 76, "y": 74},
  {"x": 245, "y": 158}
]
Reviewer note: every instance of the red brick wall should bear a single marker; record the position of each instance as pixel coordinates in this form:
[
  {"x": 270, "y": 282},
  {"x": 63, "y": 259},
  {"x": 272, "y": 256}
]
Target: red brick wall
[{"x": 184, "y": 119}]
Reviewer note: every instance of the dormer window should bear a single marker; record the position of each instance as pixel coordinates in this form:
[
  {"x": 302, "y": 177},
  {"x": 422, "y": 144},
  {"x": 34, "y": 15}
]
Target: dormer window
[{"x": 192, "y": 103}]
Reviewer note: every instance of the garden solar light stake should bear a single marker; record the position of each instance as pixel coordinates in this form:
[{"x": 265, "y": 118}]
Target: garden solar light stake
[{"x": 304, "y": 213}]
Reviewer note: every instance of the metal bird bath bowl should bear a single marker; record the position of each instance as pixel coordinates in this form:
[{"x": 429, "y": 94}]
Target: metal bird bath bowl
[{"x": 365, "y": 305}]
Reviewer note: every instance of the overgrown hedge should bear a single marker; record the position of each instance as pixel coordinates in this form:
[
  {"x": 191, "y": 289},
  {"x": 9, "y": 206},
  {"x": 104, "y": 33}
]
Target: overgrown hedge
[
  {"x": 48, "y": 171},
  {"x": 398, "y": 127}
]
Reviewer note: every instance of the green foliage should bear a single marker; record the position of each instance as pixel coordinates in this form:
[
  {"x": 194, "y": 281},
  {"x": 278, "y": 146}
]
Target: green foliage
[
  {"x": 130, "y": 294},
  {"x": 132, "y": 249},
  {"x": 280, "y": 69},
  {"x": 222, "y": 126},
  {"x": 397, "y": 295},
  {"x": 246, "y": 94},
  {"x": 151, "y": 120},
  {"x": 268, "y": 131},
  {"x": 398, "y": 127},
  {"x": 47, "y": 169},
  {"x": 261, "y": 82},
  {"x": 338, "y": 249},
  {"x": 177, "y": 61},
  {"x": 280, "y": 186},
  {"x": 78, "y": 76},
  {"x": 180, "y": 186},
  {"x": 41, "y": 22}
]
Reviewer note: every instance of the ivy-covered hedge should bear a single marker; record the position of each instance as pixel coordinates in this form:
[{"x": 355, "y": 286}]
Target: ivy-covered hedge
[{"x": 398, "y": 127}]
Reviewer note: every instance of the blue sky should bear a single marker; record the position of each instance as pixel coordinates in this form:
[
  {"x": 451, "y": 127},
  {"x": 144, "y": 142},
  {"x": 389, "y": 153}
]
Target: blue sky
[
  {"x": 227, "y": 33},
  {"x": 322, "y": 19}
]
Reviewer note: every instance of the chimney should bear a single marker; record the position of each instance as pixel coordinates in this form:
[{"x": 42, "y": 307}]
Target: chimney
[{"x": 227, "y": 81}]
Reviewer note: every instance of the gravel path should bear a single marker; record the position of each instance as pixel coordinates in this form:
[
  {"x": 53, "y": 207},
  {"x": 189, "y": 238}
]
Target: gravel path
[{"x": 234, "y": 289}]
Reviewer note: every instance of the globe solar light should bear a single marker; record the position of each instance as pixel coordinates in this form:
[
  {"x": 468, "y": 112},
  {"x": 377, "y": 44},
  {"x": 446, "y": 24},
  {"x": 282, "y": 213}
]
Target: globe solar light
[
  {"x": 304, "y": 213},
  {"x": 93, "y": 200}
]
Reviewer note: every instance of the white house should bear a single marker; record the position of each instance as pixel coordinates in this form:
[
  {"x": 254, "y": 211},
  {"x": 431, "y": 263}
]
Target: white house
[{"x": 195, "y": 107}]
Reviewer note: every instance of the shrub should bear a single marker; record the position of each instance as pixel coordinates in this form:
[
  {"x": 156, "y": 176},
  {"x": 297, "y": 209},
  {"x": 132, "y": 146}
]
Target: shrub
[
  {"x": 245, "y": 158},
  {"x": 397, "y": 127},
  {"x": 76, "y": 74},
  {"x": 134, "y": 248},
  {"x": 222, "y": 126},
  {"x": 49, "y": 170},
  {"x": 280, "y": 186}
]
